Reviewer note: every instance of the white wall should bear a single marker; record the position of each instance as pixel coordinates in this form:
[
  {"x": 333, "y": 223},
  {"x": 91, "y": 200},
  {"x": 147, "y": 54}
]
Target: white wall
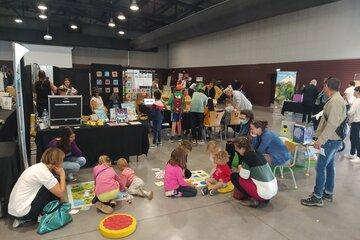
[
  {"x": 322, "y": 33},
  {"x": 107, "y": 56}
]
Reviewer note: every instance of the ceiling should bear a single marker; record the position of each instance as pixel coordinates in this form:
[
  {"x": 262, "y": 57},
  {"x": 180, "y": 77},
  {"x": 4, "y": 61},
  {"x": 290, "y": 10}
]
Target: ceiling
[{"x": 92, "y": 18}]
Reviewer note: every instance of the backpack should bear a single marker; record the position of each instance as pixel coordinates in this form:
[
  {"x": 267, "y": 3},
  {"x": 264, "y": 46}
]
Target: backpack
[{"x": 177, "y": 104}]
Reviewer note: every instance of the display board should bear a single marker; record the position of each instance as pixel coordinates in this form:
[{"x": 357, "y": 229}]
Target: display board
[
  {"x": 285, "y": 86},
  {"x": 65, "y": 110},
  {"x": 108, "y": 79},
  {"x": 137, "y": 81}
]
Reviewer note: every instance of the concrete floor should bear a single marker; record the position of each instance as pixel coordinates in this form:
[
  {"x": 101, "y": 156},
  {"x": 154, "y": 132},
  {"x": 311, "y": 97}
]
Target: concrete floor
[{"x": 220, "y": 216}]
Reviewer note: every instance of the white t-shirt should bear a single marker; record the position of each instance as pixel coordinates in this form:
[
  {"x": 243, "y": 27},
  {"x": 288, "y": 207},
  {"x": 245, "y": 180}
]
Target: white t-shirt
[
  {"x": 354, "y": 112},
  {"x": 27, "y": 186},
  {"x": 349, "y": 93},
  {"x": 240, "y": 101}
]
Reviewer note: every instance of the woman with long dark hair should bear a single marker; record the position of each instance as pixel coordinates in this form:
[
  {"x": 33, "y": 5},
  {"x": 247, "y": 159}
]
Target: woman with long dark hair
[
  {"x": 43, "y": 88},
  {"x": 73, "y": 156}
]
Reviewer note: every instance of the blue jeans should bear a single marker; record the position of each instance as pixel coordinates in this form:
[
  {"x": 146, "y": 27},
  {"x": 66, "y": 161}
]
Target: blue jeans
[
  {"x": 73, "y": 164},
  {"x": 156, "y": 131},
  {"x": 325, "y": 169}
]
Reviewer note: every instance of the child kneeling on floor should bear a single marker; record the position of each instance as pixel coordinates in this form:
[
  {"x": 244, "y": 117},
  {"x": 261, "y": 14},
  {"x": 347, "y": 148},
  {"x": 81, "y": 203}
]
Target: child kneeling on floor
[
  {"x": 134, "y": 184},
  {"x": 107, "y": 185},
  {"x": 220, "y": 175},
  {"x": 174, "y": 182}
]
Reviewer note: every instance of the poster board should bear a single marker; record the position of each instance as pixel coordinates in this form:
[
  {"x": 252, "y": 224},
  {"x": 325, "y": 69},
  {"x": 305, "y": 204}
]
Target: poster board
[
  {"x": 285, "y": 86},
  {"x": 136, "y": 81}
]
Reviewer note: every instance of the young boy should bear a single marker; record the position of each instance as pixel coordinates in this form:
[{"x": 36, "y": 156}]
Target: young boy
[
  {"x": 157, "y": 116},
  {"x": 177, "y": 104}
]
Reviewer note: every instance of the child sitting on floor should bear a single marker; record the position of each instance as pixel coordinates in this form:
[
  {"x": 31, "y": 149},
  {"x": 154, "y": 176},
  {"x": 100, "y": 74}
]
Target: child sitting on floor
[
  {"x": 134, "y": 184},
  {"x": 107, "y": 185},
  {"x": 212, "y": 148},
  {"x": 220, "y": 175},
  {"x": 174, "y": 182},
  {"x": 186, "y": 144}
]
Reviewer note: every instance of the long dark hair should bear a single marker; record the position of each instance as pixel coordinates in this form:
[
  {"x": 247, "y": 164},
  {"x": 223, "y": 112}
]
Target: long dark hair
[
  {"x": 64, "y": 143},
  {"x": 210, "y": 105}
]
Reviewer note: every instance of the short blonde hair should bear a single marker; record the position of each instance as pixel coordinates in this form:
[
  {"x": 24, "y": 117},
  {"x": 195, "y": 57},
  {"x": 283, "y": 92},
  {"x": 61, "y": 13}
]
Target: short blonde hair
[
  {"x": 121, "y": 162},
  {"x": 221, "y": 157},
  {"x": 53, "y": 156},
  {"x": 213, "y": 147},
  {"x": 104, "y": 159}
]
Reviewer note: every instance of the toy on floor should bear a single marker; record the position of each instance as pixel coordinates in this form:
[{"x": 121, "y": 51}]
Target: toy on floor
[
  {"x": 117, "y": 225},
  {"x": 228, "y": 188}
]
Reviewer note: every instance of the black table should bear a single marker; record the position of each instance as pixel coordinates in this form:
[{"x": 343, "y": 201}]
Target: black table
[
  {"x": 116, "y": 142},
  {"x": 297, "y": 107},
  {"x": 11, "y": 167},
  {"x": 8, "y": 130}
]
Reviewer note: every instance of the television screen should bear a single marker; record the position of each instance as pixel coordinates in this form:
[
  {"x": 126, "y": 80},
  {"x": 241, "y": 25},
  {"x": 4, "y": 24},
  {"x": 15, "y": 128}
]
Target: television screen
[{"x": 65, "y": 110}]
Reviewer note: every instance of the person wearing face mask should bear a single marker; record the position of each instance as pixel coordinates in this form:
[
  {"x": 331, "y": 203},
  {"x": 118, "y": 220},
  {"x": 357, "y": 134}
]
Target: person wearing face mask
[
  {"x": 246, "y": 116},
  {"x": 268, "y": 144}
]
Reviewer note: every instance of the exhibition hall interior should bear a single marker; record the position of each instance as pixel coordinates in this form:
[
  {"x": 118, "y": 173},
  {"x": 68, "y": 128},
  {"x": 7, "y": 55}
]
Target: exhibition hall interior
[{"x": 179, "y": 119}]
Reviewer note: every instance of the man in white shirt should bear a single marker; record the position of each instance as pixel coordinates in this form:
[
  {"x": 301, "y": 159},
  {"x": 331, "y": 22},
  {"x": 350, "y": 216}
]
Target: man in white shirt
[
  {"x": 349, "y": 93},
  {"x": 354, "y": 119}
]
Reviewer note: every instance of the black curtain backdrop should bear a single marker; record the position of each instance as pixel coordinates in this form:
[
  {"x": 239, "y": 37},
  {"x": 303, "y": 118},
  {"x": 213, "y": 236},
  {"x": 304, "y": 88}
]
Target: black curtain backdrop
[
  {"x": 80, "y": 81},
  {"x": 105, "y": 68},
  {"x": 27, "y": 94}
]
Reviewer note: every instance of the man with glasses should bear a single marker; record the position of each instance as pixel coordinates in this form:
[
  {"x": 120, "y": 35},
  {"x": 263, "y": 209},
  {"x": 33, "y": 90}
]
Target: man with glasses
[{"x": 328, "y": 142}]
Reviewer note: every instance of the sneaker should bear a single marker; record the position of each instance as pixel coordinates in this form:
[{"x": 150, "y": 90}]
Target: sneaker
[
  {"x": 159, "y": 143},
  {"x": 355, "y": 160},
  {"x": 150, "y": 195},
  {"x": 212, "y": 192},
  {"x": 152, "y": 146},
  {"x": 112, "y": 203},
  {"x": 17, "y": 222},
  {"x": 172, "y": 139},
  {"x": 194, "y": 142},
  {"x": 201, "y": 142},
  {"x": 327, "y": 197},
  {"x": 104, "y": 208},
  {"x": 254, "y": 203},
  {"x": 204, "y": 191},
  {"x": 349, "y": 156},
  {"x": 312, "y": 201},
  {"x": 170, "y": 193},
  {"x": 179, "y": 138}
]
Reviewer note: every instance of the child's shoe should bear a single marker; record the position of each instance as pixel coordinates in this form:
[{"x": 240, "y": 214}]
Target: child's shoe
[
  {"x": 149, "y": 194},
  {"x": 212, "y": 192},
  {"x": 170, "y": 193},
  {"x": 204, "y": 191},
  {"x": 179, "y": 138},
  {"x": 172, "y": 139},
  {"x": 112, "y": 203},
  {"x": 104, "y": 208}
]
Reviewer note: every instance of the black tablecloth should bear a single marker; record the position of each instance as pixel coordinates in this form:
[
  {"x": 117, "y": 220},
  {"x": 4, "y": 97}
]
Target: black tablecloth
[
  {"x": 185, "y": 121},
  {"x": 8, "y": 131},
  {"x": 297, "y": 107},
  {"x": 116, "y": 142},
  {"x": 11, "y": 167}
]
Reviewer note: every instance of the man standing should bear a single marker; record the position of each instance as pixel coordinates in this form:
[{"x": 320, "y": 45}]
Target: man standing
[
  {"x": 310, "y": 94},
  {"x": 328, "y": 142}
]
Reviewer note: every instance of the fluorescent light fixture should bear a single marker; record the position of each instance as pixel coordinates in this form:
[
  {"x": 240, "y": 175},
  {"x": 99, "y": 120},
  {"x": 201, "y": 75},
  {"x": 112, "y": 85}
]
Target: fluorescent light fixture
[
  {"x": 73, "y": 26},
  {"x": 47, "y": 37},
  {"x": 111, "y": 23},
  {"x": 42, "y": 7},
  {"x": 18, "y": 20},
  {"x": 42, "y": 16},
  {"x": 121, "y": 16},
  {"x": 134, "y": 6},
  {"x": 121, "y": 32}
]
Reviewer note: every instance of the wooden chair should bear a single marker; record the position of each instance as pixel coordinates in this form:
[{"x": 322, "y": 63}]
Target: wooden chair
[
  {"x": 293, "y": 148},
  {"x": 215, "y": 122},
  {"x": 235, "y": 120}
]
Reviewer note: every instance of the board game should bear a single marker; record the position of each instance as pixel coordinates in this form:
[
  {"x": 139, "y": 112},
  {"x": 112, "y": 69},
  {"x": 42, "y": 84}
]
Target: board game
[{"x": 198, "y": 178}]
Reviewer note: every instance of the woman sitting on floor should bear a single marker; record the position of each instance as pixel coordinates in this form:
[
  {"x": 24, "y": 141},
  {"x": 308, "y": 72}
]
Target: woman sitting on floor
[
  {"x": 73, "y": 156},
  {"x": 36, "y": 187},
  {"x": 255, "y": 183},
  {"x": 269, "y": 144}
]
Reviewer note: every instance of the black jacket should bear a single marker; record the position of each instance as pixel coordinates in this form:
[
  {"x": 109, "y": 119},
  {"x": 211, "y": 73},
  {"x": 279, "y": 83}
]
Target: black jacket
[{"x": 310, "y": 94}]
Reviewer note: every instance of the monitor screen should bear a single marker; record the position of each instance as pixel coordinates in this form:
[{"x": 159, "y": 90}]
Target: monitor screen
[{"x": 65, "y": 107}]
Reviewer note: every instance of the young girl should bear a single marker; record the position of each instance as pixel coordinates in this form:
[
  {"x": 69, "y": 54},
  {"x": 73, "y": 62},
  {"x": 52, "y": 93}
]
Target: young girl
[
  {"x": 220, "y": 175},
  {"x": 174, "y": 182},
  {"x": 134, "y": 184},
  {"x": 212, "y": 148},
  {"x": 107, "y": 185}
]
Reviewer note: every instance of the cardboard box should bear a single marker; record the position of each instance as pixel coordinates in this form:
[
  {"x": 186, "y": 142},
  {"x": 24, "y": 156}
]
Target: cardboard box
[{"x": 287, "y": 129}]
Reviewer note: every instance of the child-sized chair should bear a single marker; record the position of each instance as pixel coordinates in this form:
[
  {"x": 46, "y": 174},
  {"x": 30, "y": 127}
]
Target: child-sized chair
[
  {"x": 214, "y": 122},
  {"x": 293, "y": 148},
  {"x": 235, "y": 120}
]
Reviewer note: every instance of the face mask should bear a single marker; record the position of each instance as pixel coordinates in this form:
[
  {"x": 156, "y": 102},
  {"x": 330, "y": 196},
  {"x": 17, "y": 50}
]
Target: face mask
[
  {"x": 245, "y": 121},
  {"x": 253, "y": 135}
]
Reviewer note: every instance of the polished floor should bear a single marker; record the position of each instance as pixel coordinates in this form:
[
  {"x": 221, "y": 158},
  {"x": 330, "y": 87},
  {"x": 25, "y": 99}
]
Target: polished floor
[{"x": 220, "y": 216}]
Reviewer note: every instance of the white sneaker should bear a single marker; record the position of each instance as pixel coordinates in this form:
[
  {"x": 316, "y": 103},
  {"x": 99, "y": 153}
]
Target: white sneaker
[
  {"x": 355, "y": 160},
  {"x": 170, "y": 193},
  {"x": 349, "y": 156},
  {"x": 18, "y": 223}
]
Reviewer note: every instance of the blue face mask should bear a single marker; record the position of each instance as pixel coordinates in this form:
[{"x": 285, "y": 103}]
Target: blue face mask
[{"x": 245, "y": 121}]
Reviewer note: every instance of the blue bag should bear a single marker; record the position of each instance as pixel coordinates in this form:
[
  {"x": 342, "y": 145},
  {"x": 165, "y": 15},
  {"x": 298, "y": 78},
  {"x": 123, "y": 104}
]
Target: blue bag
[{"x": 56, "y": 215}]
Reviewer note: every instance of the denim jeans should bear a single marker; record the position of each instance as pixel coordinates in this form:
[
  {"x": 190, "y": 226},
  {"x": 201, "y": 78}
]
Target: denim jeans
[
  {"x": 73, "y": 164},
  {"x": 325, "y": 169},
  {"x": 156, "y": 128}
]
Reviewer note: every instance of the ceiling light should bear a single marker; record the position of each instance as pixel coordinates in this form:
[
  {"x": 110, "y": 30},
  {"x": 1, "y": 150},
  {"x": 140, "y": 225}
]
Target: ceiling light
[
  {"x": 73, "y": 26},
  {"x": 42, "y": 16},
  {"x": 121, "y": 32},
  {"x": 111, "y": 23},
  {"x": 47, "y": 37},
  {"x": 134, "y": 6},
  {"x": 18, "y": 20},
  {"x": 121, "y": 16},
  {"x": 42, "y": 7}
]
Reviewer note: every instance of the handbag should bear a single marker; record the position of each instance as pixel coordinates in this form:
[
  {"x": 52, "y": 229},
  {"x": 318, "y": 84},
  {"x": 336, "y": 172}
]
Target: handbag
[
  {"x": 342, "y": 129},
  {"x": 56, "y": 215}
]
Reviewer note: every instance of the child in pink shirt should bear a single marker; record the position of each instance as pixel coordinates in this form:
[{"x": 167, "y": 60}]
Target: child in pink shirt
[
  {"x": 107, "y": 185},
  {"x": 174, "y": 182},
  {"x": 134, "y": 184}
]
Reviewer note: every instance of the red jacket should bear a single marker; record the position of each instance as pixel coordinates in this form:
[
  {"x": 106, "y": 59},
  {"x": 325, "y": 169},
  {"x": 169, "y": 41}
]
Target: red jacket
[{"x": 222, "y": 172}]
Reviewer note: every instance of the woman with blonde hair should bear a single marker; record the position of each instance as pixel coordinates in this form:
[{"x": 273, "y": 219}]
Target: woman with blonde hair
[{"x": 37, "y": 186}]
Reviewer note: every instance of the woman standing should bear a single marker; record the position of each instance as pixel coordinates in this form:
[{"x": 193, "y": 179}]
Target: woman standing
[
  {"x": 70, "y": 90},
  {"x": 73, "y": 156},
  {"x": 43, "y": 88},
  {"x": 354, "y": 117},
  {"x": 255, "y": 183},
  {"x": 96, "y": 102},
  {"x": 37, "y": 186},
  {"x": 268, "y": 143}
]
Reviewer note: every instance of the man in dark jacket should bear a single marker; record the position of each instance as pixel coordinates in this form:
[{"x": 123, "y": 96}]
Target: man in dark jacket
[{"x": 310, "y": 94}]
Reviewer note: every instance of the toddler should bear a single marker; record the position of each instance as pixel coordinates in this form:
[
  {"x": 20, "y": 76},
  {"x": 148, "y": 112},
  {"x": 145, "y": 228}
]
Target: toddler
[
  {"x": 134, "y": 184},
  {"x": 107, "y": 185},
  {"x": 174, "y": 182},
  {"x": 220, "y": 175}
]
